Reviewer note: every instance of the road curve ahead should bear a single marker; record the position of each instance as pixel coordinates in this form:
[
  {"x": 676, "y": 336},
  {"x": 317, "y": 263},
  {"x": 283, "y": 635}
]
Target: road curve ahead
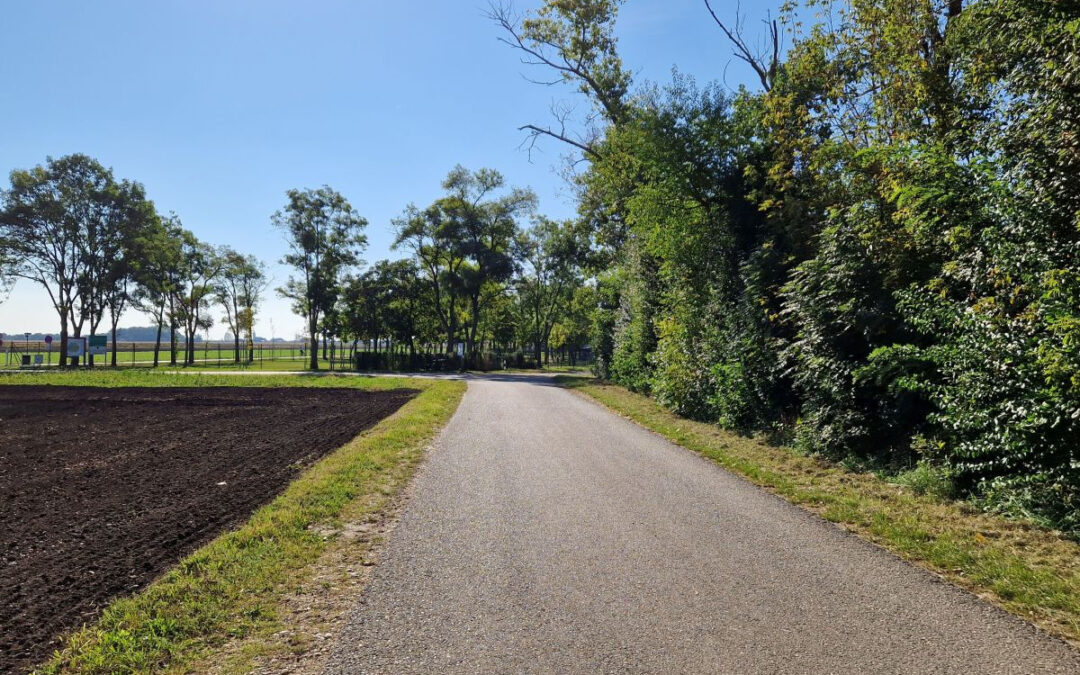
[{"x": 545, "y": 534}]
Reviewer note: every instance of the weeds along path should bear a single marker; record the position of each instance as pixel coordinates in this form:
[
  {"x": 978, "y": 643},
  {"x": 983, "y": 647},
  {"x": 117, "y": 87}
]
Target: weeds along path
[{"x": 546, "y": 534}]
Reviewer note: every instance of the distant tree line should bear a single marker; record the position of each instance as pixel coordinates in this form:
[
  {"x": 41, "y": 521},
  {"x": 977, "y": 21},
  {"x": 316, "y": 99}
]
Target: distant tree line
[
  {"x": 125, "y": 334},
  {"x": 484, "y": 274},
  {"x": 875, "y": 252},
  {"x": 98, "y": 247}
]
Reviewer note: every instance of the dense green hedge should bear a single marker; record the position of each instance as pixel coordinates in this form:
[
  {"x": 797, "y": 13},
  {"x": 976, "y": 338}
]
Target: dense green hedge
[{"x": 878, "y": 254}]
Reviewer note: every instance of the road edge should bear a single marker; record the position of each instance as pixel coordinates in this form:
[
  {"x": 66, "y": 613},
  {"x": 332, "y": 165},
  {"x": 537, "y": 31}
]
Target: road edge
[{"x": 984, "y": 555}]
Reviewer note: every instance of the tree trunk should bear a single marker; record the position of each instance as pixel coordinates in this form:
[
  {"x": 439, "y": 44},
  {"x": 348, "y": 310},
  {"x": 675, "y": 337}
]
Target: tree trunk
[
  {"x": 77, "y": 333},
  {"x": 193, "y": 329},
  {"x": 63, "y": 337},
  {"x": 470, "y": 337},
  {"x": 172, "y": 332},
  {"x": 157, "y": 340},
  {"x": 314, "y": 351},
  {"x": 113, "y": 331}
]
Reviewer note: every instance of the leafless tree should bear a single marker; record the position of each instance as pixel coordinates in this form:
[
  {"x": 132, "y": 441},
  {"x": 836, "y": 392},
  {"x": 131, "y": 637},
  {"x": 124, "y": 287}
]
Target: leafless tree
[{"x": 764, "y": 60}]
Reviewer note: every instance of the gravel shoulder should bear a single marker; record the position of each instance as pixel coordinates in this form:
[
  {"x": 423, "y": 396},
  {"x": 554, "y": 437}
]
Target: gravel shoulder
[{"x": 546, "y": 534}]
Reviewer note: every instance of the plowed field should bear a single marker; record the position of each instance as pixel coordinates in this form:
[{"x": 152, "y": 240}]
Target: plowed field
[{"x": 102, "y": 490}]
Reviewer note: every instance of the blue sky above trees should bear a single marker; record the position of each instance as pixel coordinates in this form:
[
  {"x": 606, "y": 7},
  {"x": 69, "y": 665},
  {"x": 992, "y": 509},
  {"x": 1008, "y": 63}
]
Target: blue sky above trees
[{"x": 219, "y": 107}]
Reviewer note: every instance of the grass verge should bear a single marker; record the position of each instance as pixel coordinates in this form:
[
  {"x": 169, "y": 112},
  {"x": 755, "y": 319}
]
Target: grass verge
[
  {"x": 1031, "y": 572},
  {"x": 234, "y": 586}
]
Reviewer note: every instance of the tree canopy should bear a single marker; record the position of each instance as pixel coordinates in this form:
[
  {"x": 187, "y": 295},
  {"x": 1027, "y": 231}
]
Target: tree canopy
[
  {"x": 325, "y": 236},
  {"x": 876, "y": 253}
]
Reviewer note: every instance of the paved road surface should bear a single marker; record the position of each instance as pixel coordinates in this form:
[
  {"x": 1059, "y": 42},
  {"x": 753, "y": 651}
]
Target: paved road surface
[{"x": 545, "y": 534}]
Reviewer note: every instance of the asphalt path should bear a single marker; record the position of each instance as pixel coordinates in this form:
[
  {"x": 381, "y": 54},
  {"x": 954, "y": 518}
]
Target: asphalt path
[{"x": 546, "y": 534}]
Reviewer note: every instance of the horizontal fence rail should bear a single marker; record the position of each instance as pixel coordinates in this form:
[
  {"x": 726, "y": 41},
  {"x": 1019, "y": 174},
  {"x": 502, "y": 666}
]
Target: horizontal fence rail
[{"x": 338, "y": 356}]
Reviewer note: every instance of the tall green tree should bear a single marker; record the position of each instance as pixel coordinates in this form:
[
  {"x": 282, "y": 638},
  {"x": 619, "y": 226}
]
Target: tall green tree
[
  {"x": 998, "y": 321},
  {"x": 406, "y": 318},
  {"x": 552, "y": 254},
  {"x": 133, "y": 234},
  {"x": 362, "y": 308},
  {"x": 573, "y": 41},
  {"x": 463, "y": 246},
  {"x": 431, "y": 236},
  {"x": 876, "y": 250},
  {"x": 238, "y": 290},
  {"x": 326, "y": 238},
  {"x": 156, "y": 276},
  {"x": 50, "y": 216},
  {"x": 485, "y": 226},
  {"x": 198, "y": 269}
]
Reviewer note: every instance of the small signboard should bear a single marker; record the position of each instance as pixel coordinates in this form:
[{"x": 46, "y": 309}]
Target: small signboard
[
  {"x": 99, "y": 345},
  {"x": 75, "y": 348},
  {"x": 39, "y": 359},
  {"x": 48, "y": 339}
]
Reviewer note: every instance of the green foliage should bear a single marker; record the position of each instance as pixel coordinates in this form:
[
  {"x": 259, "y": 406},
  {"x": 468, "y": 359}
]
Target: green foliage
[
  {"x": 843, "y": 311},
  {"x": 576, "y": 40},
  {"x": 325, "y": 237},
  {"x": 927, "y": 478},
  {"x": 602, "y": 327},
  {"x": 192, "y": 291},
  {"x": 238, "y": 290},
  {"x": 552, "y": 254},
  {"x": 463, "y": 246},
  {"x": 72, "y": 228},
  {"x": 98, "y": 247},
  {"x": 634, "y": 331},
  {"x": 881, "y": 251}
]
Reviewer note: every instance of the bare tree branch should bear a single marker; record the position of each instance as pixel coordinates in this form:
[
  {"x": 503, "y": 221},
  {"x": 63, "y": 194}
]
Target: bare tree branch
[
  {"x": 537, "y": 50},
  {"x": 501, "y": 15},
  {"x": 536, "y": 131},
  {"x": 765, "y": 67}
]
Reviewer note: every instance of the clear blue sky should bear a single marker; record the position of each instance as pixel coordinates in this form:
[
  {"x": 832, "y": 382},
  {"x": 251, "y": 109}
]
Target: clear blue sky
[{"x": 219, "y": 106}]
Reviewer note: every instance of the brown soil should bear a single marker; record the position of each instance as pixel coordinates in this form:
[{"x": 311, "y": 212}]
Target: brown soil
[{"x": 102, "y": 490}]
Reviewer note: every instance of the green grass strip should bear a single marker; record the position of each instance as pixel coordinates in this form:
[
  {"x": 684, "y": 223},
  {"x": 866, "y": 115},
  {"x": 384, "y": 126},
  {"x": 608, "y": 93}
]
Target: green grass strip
[
  {"x": 233, "y": 586},
  {"x": 1029, "y": 571}
]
